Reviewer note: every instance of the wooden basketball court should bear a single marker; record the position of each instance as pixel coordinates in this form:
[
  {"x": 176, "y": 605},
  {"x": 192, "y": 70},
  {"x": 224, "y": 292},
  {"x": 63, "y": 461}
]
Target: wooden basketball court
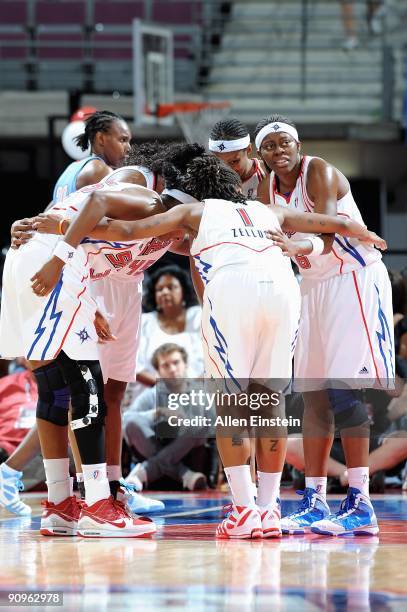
[{"x": 185, "y": 567}]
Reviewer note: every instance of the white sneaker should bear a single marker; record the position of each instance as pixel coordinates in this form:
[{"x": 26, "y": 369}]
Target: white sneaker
[
  {"x": 108, "y": 518},
  {"x": 137, "y": 503},
  {"x": 137, "y": 477},
  {"x": 244, "y": 522},
  {"x": 10, "y": 487},
  {"x": 271, "y": 520},
  {"x": 194, "y": 481},
  {"x": 60, "y": 519}
]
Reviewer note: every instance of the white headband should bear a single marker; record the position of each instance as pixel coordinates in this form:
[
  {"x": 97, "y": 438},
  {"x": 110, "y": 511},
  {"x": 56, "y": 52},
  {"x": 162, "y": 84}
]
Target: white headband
[
  {"x": 226, "y": 146},
  {"x": 183, "y": 197},
  {"x": 275, "y": 128}
]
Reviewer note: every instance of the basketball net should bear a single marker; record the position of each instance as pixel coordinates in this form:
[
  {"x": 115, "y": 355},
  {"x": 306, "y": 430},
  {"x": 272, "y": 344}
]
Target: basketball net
[{"x": 195, "y": 119}]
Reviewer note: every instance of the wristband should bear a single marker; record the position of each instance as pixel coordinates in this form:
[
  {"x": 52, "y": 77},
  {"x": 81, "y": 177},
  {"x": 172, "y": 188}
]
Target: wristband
[
  {"x": 64, "y": 251},
  {"x": 60, "y": 227},
  {"x": 317, "y": 245}
]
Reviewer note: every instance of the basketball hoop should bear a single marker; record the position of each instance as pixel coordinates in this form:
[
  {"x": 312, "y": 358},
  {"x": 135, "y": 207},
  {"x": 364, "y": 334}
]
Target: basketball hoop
[{"x": 195, "y": 119}]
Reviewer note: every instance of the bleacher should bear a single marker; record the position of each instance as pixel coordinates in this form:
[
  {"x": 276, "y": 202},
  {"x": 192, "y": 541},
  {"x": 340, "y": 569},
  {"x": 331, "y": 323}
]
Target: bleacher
[
  {"x": 288, "y": 56},
  {"x": 87, "y": 44}
]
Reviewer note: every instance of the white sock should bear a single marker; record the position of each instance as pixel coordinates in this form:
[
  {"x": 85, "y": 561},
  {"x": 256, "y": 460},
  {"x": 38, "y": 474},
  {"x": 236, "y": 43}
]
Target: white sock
[
  {"x": 269, "y": 488},
  {"x": 114, "y": 472},
  {"x": 359, "y": 479},
  {"x": 8, "y": 471},
  {"x": 241, "y": 484},
  {"x": 79, "y": 477},
  {"x": 318, "y": 483},
  {"x": 96, "y": 483},
  {"x": 58, "y": 481}
]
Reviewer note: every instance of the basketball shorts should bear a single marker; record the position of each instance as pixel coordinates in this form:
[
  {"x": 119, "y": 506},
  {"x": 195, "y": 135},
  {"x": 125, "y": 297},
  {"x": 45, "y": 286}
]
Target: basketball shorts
[
  {"x": 346, "y": 331},
  {"x": 39, "y": 327},
  {"x": 249, "y": 327},
  {"x": 120, "y": 302}
]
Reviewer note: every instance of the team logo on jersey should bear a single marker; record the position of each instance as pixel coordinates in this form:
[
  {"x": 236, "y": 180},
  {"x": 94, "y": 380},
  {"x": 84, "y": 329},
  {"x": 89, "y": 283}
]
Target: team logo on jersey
[
  {"x": 83, "y": 335},
  {"x": 119, "y": 260}
]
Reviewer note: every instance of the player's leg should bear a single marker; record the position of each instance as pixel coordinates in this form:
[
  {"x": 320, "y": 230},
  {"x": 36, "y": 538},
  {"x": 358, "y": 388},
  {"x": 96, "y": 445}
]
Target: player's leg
[
  {"x": 100, "y": 515},
  {"x": 366, "y": 307},
  {"x": 118, "y": 363},
  {"x": 229, "y": 352},
  {"x": 61, "y": 511},
  {"x": 317, "y": 418},
  {"x": 272, "y": 369}
]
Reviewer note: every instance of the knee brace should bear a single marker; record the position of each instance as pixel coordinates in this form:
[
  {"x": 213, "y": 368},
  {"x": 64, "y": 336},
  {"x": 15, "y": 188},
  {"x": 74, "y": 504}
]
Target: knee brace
[
  {"x": 53, "y": 395},
  {"x": 348, "y": 410},
  {"x": 86, "y": 386}
]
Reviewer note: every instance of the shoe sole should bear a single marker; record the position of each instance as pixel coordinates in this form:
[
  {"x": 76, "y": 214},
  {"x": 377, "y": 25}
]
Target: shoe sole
[
  {"x": 254, "y": 535},
  {"x": 271, "y": 533},
  {"x": 58, "y": 531},
  {"x": 301, "y": 531},
  {"x": 365, "y": 531},
  {"x": 98, "y": 532}
]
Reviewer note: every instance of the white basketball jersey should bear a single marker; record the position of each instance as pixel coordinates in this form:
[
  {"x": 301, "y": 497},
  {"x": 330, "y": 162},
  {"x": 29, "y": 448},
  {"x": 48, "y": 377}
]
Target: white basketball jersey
[
  {"x": 347, "y": 254},
  {"x": 232, "y": 234},
  {"x": 118, "y": 260},
  {"x": 250, "y": 185}
]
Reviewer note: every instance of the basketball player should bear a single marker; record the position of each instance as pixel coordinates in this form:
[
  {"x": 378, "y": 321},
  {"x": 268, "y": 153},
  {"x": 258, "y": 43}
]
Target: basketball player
[
  {"x": 61, "y": 329},
  {"x": 146, "y": 161},
  {"x": 247, "y": 274},
  {"x": 230, "y": 141},
  {"x": 345, "y": 331}
]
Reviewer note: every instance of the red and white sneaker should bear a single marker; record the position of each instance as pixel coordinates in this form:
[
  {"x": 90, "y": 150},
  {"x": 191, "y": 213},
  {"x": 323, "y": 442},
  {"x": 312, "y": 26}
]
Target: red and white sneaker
[
  {"x": 271, "y": 520},
  {"x": 243, "y": 522},
  {"x": 108, "y": 518},
  {"x": 60, "y": 519}
]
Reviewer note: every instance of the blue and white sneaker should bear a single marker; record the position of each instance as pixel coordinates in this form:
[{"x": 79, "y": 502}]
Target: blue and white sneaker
[
  {"x": 312, "y": 508},
  {"x": 140, "y": 504},
  {"x": 355, "y": 516},
  {"x": 10, "y": 487}
]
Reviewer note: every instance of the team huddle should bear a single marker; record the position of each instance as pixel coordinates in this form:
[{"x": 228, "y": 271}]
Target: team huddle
[{"x": 71, "y": 305}]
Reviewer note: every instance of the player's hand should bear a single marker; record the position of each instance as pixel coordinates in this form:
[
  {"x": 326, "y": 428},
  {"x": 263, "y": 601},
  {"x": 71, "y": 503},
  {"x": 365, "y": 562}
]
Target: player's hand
[
  {"x": 290, "y": 248},
  {"x": 44, "y": 281},
  {"x": 21, "y": 232},
  {"x": 373, "y": 239},
  {"x": 47, "y": 223},
  {"x": 103, "y": 328}
]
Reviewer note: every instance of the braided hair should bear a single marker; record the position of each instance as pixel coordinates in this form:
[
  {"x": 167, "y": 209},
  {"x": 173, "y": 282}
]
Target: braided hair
[
  {"x": 272, "y": 119},
  {"x": 100, "y": 121},
  {"x": 150, "y": 155},
  {"x": 228, "y": 129},
  {"x": 202, "y": 175}
]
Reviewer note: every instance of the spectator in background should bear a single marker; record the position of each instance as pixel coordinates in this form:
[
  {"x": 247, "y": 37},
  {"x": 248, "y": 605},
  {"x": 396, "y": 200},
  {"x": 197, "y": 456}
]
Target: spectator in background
[
  {"x": 174, "y": 317},
  {"x": 144, "y": 421},
  {"x": 375, "y": 10},
  {"x": 18, "y": 403}
]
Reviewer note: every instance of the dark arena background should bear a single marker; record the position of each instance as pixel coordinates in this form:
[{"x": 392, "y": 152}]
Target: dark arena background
[{"x": 172, "y": 69}]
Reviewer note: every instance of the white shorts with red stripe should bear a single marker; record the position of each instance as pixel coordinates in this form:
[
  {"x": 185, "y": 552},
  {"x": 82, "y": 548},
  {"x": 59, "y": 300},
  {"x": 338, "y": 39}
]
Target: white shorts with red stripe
[
  {"x": 346, "y": 331},
  {"x": 39, "y": 327},
  {"x": 120, "y": 302},
  {"x": 249, "y": 326}
]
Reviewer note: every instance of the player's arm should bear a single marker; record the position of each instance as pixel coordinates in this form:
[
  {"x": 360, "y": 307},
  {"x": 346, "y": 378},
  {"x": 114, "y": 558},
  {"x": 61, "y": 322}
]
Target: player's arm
[
  {"x": 263, "y": 189},
  {"x": 157, "y": 225},
  {"x": 322, "y": 186},
  {"x": 93, "y": 172},
  {"x": 315, "y": 223}
]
